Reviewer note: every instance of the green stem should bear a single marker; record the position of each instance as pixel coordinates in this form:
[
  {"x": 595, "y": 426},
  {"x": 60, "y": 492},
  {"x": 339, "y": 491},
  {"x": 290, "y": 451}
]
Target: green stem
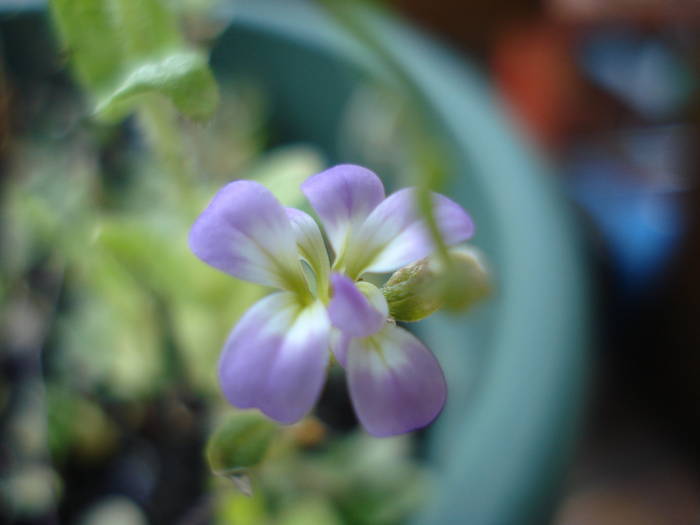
[
  {"x": 161, "y": 128},
  {"x": 430, "y": 154},
  {"x": 160, "y": 125}
]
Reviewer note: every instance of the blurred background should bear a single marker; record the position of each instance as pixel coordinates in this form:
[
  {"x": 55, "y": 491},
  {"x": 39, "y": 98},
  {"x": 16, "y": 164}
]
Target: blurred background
[{"x": 577, "y": 122}]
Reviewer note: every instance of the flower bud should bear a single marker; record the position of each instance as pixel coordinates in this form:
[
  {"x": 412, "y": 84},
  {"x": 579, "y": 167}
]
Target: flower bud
[
  {"x": 467, "y": 283},
  {"x": 419, "y": 289},
  {"x": 240, "y": 443},
  {"x": 411, "y": 293}
]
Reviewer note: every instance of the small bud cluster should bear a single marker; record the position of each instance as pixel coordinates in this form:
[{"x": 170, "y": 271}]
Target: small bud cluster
[{"x": 419, "y": 289}]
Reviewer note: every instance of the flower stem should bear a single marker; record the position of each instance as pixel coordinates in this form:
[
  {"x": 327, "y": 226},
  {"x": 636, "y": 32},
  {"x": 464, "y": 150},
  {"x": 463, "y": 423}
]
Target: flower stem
[
  {"x": 159, "y": 121},
  {"x": 430, "y": 154}
]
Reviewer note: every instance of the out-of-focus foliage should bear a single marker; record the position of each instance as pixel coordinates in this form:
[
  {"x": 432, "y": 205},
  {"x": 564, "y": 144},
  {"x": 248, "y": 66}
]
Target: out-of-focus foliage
[
  {"x": 135, "y": 288},
  {"x": 124, "y": 49},
  {"x": 240, "y": 443},
  {"x": 77, "y": 422},
  {"x": 357, "y": 479}
]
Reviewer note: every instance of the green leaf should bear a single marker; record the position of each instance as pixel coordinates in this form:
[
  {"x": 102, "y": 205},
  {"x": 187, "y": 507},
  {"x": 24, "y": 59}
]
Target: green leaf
[
  {"x": 88, "y": 31},
  {"x": 184, "y": 77},
  {"x": 123, "y": 49},
  {"x": 114, "y": 314},
  {"x": 146, "y": 27}
]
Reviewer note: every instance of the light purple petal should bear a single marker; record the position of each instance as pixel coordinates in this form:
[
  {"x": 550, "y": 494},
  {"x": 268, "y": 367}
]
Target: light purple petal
[
  {"x": 339, "y": 345},
  {"x": 246, "y": 233},
  {"x": 395, "y": 233},
  {"x": 352, "y": 312},
  {"x": 310, "y": 244},
  {"x": 396, "y": 384},
  {"x": 343, "y": 197},
  {"x": 275, "y": 358}
]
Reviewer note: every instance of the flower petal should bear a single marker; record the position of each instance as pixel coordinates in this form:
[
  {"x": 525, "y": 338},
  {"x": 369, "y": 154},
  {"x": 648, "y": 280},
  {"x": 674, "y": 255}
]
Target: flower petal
[
  {"x": 311, "y": 245},
  {"x": 355, "y": 313},
  {"x": 245, "y": 232},
  {"x": 275, "y": 358},
  {"x": 396, "y": 384},
  {"x": 395, "y": 233},
  {"x": 343, "y": 197},
  {"x": 340, "y": 342}
]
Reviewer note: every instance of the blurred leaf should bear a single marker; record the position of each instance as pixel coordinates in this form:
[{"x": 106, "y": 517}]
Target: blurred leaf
[
  {"x": 236, "y": 134},
  {"x": 183, "y": 76},
  {"x": 381, "y": 483},
  {"x": 234, "y": 507},
  {"x": 202, "y": 307},
  {"x": 200, "y": 329},
  {"x": 111, "y": 336},
  {"x": 151, "y": 252},
  {"x": 283, "y": 171},
  {"x": 145, "y": 27},
  {"x": 77, "y": 424},
  {"x": 87, "y": 27},
  {"x": 124, "y": 49},
  {"x": 310, "y": 510},
  {"x": 41, "y": 211},
  {"x": 240, "y": 443}
]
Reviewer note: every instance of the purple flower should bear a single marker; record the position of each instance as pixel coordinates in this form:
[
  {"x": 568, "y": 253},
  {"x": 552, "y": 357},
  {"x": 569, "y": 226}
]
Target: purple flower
[{"x": 276, "y": 357}]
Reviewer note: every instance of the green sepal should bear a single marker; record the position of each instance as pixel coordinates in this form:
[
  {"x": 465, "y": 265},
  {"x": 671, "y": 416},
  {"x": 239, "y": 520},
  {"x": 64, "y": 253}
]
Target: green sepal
[
  {"x": 410, "y": 292},
  {"x": 419, "y": 289}
]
